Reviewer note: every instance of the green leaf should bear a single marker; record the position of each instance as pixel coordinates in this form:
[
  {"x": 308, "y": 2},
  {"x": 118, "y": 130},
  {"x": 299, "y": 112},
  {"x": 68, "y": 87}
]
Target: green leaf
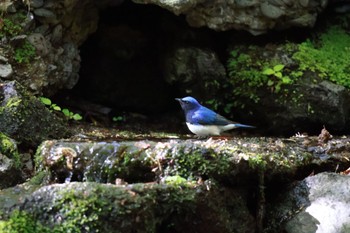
[
  {"x": 45, "y": 101},
  {"x": 270, "y": 83},
  {"x": 66, "y": 112},
  {"x": 286, "y": 80},
  {"x": 278, "y": 74},
  {"x": 268, "y": 71},
  {"x": 278, "y": 67},
  {"x": 117, "y": 118},
  {"x": 55, "y": 107},
  {"x": 77, "y": 117},
  {"x": 278, "y": 87}
]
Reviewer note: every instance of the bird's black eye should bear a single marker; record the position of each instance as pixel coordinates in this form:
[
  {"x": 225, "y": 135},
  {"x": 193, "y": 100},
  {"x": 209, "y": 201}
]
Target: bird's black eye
[{"x": 185, "y": 101}]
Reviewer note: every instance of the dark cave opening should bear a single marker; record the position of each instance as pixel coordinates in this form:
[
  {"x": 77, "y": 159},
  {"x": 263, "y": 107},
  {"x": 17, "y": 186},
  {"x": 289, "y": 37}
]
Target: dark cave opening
[{"x": 123, "y": 62}]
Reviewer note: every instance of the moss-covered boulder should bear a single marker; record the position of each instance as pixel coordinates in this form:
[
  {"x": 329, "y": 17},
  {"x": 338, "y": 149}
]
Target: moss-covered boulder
[
  {"x": 236, "y": 161},
  {"x": 24, "y": 118},
  {"x": 92, "y": 207},
  {"x": 172, "y": 185},
  {"x": 292, "y": 86},
  {"x": 10, "y": 162}
]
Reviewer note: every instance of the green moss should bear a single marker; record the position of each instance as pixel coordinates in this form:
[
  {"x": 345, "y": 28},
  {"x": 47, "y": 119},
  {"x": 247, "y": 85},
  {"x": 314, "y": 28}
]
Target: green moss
[
  {"x": 250, "y": 72},
  {"x": 196, "y": 163},
  {"x": 25, "y": 52},
  {"x": 328, "y": 56},
  {"x": 105, "y": 208},
  {"x": 11, "y": 25},
  {"x": 39, "y": 178},
  {"x": 257, "y": 161},
  {"x": 8, "y": 147},
  {"x": 20, "y": 221}
]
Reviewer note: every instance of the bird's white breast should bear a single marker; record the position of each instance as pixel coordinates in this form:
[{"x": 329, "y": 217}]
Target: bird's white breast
[{"x": 206, "y": 130}]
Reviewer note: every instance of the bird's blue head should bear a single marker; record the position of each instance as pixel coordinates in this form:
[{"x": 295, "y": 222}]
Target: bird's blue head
[{"x": 188, "y": 103}]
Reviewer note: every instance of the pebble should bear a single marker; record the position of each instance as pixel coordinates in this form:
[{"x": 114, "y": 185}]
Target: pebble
[{"x": 5, "y": 70}]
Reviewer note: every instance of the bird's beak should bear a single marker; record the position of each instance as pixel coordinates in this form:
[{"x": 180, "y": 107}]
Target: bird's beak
[{"x": 178, "y": 99}]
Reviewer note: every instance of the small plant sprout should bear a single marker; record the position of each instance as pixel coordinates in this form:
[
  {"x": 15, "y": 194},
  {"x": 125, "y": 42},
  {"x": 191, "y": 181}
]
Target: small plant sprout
[
  {"x": 49, "y": 103},
  {"x": 117, "y": 118},
  {"x": 70, "y": 115},
  {"x": 279, "y": 78}
]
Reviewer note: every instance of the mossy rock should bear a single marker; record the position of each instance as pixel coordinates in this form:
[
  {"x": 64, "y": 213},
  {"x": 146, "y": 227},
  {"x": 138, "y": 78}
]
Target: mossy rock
[
  {"x": 10, "y": 162},
  {"x": 237, "y": 161},
  {"x": 92, "y": 207},
  {"x": 291, "y": 86},
  {"x": 24, "y": 118}
]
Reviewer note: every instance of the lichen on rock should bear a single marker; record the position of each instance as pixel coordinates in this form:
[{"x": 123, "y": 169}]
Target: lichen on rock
[{"x": 25, "y": 118}]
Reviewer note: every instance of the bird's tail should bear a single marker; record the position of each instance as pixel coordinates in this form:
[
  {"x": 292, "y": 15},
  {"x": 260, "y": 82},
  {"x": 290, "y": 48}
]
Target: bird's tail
[{"x": 238, "y": 125}]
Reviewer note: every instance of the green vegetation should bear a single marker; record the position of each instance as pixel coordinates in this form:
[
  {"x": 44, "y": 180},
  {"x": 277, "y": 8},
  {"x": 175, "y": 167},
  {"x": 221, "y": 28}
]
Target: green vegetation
[
  {"x": 93, "y": 207},
  {"x": 328, "y": 56},
  {"x": 8, "y": 147},
  {"x": 49, "y": 103},
  {"x": 118, "y": 118},
  {"x": 71, "y": 115},
  {"x": 11, "y": 26},
  {"x": 52, "y": 106},
  {"x": 279, "y": 80},
  {"x": 250, "y": 72},
  {"x": 193, "y": 164},
  {"x": 257, "y": 161},
  {"x": 178, "y": 181},
  {"x": 23, "y": 222},
  {"x": 253, "y": 70},
  {"x": 25, "y": 52}
]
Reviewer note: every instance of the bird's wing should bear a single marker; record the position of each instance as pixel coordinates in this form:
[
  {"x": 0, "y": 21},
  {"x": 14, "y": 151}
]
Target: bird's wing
[{"x": 205, "y": 116}]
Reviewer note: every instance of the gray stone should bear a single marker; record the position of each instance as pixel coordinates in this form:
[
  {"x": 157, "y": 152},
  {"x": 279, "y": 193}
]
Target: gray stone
[
  {"x": 246, "y": 3},
  {"x": 5, "y": 163},
  {"x": 195, "y": 70},
  {"x": 3, "y": 59},
  {"x": 279, "y": 3},
  {"x": 57, "y": 34},
  {"x": 307, "y": 20},
  {"x": 45, "y": 13},
  {"x": 40, "y": 43},
  {"x": 36, "y": 3},
  {"x": 5, "y": 70},
  {"x": 322, "y": 207},
  {"x": 271, "y": 11}
]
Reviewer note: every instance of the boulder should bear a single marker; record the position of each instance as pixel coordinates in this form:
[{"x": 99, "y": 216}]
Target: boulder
[
  {"x": 10, "y": 162},
  {"x": 25, "y": 119},
  {"x": 318, "y": 204},
  {"x": 93, "y": 207}
]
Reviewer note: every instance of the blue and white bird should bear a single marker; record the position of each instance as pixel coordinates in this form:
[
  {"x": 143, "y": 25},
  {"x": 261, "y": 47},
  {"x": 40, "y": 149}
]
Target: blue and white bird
[{"x": 204, "y": 122}]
